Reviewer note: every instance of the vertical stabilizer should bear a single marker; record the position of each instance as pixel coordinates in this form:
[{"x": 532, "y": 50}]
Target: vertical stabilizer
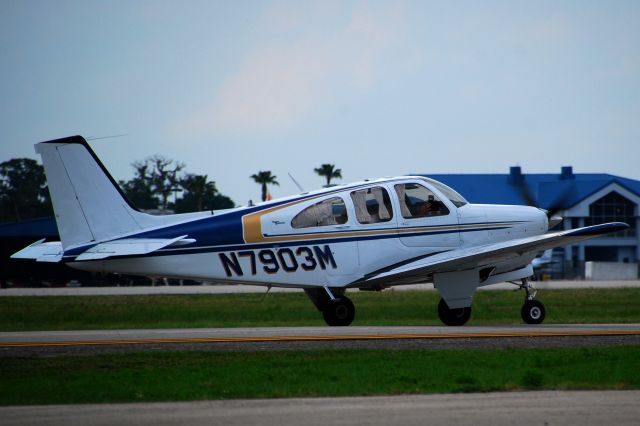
[{"x": 88, "y": 204}]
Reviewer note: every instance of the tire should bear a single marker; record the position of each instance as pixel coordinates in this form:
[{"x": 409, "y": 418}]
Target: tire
[
  {"x": 533, "y": 312},
  {"x": 453, "y": 317},
  {"x": 339, "y": 312}
]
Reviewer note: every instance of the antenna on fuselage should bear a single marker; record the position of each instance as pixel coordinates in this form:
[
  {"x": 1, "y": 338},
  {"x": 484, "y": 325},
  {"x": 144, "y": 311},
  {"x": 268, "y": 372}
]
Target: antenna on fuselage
[
  {"x": 296, "y": 182},
  {"x": 95, "y": 138}
]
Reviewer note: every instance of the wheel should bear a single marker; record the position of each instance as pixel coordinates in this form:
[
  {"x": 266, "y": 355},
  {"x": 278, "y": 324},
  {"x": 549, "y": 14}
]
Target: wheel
[
  {"x": 532, "y": 312},
  {"x": 339, "y": 312},
  {"x": 448, "y": 316}
]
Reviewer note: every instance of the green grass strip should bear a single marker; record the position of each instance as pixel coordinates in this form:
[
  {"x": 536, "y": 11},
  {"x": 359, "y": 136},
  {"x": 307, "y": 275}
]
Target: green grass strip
[
  {"x": 295, "y": 309},
  {"x": 182, "y": 376}
]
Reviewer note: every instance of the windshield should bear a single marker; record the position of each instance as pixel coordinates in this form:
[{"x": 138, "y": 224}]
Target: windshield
[{"x": 457, "y": 199}]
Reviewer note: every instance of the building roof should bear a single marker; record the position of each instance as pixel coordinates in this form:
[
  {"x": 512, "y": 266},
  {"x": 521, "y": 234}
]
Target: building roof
[{"x": 560, "y": 191}]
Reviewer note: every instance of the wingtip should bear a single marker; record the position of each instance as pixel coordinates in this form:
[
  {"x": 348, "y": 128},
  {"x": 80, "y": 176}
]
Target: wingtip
[{"x": 602, "y": 229}]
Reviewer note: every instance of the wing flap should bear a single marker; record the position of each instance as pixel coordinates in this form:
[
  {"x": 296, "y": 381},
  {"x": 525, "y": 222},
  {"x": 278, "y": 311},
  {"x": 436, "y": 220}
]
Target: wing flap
[{"x": 489, "y": 254}]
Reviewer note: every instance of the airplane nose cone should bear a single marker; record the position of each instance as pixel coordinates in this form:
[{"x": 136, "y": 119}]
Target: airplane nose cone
[{"x": 553, "y": 220}]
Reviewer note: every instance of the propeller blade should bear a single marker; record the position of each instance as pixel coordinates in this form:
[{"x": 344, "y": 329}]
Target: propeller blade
[
  {"x": 526, "y": 194},
  {"x": 557, "y": 205}
]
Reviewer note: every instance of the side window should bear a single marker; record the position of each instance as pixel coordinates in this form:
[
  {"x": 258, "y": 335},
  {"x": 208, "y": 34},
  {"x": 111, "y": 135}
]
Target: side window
[
  {"x": 372, "y": 205},
  {"x": 328, "y": 212},
  {"x": 418, "y": 201}
]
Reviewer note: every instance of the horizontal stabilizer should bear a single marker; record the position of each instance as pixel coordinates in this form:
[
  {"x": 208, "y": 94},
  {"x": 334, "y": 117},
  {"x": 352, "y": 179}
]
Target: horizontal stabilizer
[
  {"x": 130, "y": 246},
  {"x": 41, "y": 251}
]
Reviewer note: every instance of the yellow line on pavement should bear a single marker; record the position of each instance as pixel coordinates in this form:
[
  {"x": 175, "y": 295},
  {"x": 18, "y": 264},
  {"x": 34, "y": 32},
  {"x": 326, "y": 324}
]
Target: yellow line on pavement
[{"x": 323, "y": 338}]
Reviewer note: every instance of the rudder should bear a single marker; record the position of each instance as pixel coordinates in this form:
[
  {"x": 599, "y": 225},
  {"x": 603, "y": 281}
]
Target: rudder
[{"x": 89, "y": 205}]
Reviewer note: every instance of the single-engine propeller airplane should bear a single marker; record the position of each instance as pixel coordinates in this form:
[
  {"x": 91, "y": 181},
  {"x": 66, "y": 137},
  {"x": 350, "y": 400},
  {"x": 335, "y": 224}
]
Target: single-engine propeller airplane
[{"x": 368, "y": 235}]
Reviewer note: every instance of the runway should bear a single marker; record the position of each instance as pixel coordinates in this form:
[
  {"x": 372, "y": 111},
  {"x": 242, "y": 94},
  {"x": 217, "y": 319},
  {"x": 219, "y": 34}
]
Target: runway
[
  {"x": 91, "y": 341},
  {"x": 499, "y": 408}
]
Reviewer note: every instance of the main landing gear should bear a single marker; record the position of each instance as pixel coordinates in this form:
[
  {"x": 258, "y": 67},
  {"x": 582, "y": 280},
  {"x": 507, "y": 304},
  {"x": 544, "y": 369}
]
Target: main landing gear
[
  {"x": 533, "y": 311},
  {"x": 339, "y": 312},
  {"x": 456, "y": 317},
  {"x": 337, "y": 309}
]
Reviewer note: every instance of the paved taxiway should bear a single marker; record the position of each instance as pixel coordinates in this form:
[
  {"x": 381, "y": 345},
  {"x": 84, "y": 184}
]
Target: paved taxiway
[
  {"x": 521, "y": 408},
  {"x": 105, "y": 337},
  {"x": 273, "y": 338}
]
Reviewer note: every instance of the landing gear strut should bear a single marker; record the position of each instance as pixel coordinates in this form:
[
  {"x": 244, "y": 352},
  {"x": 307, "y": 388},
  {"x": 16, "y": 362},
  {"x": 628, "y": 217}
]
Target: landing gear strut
[
  {"x": 533, "y": 311},
  {"x": 455, "y": 317}
]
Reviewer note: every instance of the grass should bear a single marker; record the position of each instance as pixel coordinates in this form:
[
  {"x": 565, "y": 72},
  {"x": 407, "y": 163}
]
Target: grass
[
  {"x": 295, "y": 309},
  {"x": 182, "y": 376}
]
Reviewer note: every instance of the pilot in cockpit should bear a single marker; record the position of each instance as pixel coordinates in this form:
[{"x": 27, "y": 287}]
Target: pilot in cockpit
[{"x": 430, "y": 207}]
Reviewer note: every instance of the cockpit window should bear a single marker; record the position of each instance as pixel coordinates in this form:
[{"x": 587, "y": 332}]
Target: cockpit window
[
  {"x": 457, "y": 199},
  {"x": 372, "y": 205},
  {"x": 418, "y": 201},
  {"x": 325, "y": 213}
]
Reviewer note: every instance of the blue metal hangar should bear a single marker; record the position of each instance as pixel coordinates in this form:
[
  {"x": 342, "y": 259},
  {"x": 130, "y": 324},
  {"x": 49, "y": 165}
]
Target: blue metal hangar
[{"x": 583, "y": 199}]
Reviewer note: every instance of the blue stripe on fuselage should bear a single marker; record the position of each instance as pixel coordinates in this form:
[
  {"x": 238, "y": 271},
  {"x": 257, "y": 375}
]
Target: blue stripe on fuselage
[{"x": 200, "y": 248}]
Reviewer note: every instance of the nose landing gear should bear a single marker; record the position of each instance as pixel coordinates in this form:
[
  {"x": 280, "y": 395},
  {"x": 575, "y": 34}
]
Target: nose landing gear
[{"x": 533, "y": 311}]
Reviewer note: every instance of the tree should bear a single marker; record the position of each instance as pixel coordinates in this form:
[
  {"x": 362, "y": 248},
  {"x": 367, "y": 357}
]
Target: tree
[
  {"x": 23, "y": 191},
  {"x": 155, "y": 179},
  {"x": 197, "y": 188},
  {"x": 139, "y": 190},
  {"x": 264, "y": 178},
  {"x": 165, "y": 177},
  {"x": 329, "y": 172},
  {"x": 201, "y": 194}
]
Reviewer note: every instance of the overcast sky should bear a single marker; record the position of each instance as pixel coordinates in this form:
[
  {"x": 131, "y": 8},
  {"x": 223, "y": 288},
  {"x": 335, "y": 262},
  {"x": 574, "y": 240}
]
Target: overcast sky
[{"x": 377, "y": 88}]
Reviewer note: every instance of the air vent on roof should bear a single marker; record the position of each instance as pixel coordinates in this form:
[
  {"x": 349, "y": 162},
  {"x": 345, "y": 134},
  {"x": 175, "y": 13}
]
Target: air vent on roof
[
  {"x": 566, "y": 172},
  {"x": 515, "y": 175}
]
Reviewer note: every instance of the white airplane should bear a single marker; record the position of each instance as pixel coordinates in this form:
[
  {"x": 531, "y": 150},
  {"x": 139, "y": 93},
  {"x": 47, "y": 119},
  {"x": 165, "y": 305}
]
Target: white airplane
[{"x": 368, "y": 235}]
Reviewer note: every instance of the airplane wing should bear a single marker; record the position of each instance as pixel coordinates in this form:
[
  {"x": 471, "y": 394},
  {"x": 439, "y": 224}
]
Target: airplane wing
[{"x": 485, "y": 255}]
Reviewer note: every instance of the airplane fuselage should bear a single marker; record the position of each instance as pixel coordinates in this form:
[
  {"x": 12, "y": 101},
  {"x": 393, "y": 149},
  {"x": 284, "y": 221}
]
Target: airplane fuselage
[{"x": 264, "y": 245}]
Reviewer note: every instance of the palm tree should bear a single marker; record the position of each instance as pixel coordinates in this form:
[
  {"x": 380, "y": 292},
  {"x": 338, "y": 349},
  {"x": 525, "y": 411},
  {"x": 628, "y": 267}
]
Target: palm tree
[
  {"x": 200, "y": 188},
  {"x": 329, "y": 171},
  {"x": 265, "y": 178}
]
